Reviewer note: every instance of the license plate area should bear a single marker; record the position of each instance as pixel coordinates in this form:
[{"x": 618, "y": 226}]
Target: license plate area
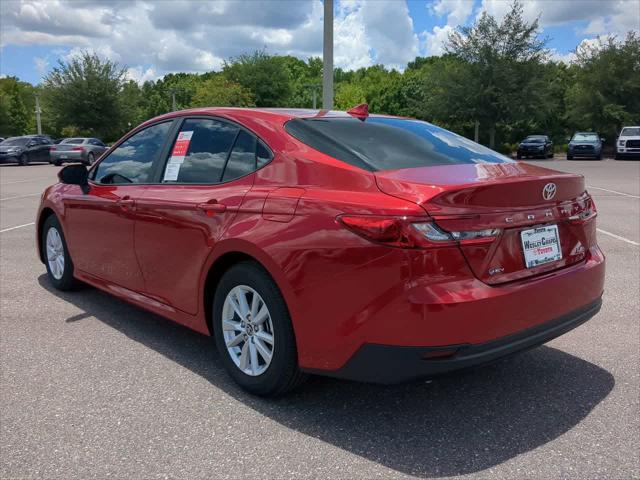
[{"x": 541, "y": 245}]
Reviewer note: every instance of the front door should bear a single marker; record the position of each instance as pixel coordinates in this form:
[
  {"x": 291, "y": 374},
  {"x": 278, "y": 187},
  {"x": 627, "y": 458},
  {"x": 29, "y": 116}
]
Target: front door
[
  {"x": 100, "y": 224},
  {"x": 204, "y": 180}
]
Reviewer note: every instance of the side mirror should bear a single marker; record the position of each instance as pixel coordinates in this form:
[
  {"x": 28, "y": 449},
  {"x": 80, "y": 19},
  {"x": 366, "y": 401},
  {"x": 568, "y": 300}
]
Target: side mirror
[
  {"x": 602, "y": 139},
  {"x": 75, "y": 175},
  {"x": 31, "y": 143},
  {"x": 568, "y": 139}
]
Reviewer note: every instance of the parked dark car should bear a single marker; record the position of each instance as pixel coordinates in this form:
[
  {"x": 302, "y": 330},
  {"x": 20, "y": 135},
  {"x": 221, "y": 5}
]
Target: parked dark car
[
  {"x": 535, "y": 146},
  {"x": 25, "y": 149},
  {"x": 78, "y": 149},
  {"x": 585, "y": 144}
]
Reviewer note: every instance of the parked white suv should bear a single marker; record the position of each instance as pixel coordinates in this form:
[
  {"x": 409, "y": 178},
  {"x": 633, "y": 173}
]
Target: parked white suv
[{"x": 628, "y": 143}]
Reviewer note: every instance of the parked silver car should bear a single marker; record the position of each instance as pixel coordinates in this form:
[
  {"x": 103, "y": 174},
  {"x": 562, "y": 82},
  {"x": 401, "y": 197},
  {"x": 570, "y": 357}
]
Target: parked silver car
[{"x": 79, "y": 149}]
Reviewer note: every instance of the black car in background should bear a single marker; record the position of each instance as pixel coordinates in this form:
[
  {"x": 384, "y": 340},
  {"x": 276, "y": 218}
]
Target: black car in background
[
  {"x": 535, "y": 146},
  {"x": 25, "y": 149}
]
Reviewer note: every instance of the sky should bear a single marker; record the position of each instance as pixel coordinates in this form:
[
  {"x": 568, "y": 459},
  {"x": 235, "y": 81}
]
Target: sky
[{"x": 155, "y": 37}]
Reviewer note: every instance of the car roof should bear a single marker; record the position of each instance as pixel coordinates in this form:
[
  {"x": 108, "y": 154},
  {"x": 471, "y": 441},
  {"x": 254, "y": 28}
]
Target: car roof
[{"x": 279, "y": 115}]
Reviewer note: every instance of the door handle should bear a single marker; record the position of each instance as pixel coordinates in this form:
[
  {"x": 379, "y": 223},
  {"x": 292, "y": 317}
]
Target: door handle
[{"x": 212, "y": 207}]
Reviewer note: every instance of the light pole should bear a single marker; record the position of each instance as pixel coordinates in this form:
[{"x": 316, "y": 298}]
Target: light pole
[
  {"x": 38, "y": 112},
  {"x": 327, "y": 57},
  {"x": 314, "y": 92}
]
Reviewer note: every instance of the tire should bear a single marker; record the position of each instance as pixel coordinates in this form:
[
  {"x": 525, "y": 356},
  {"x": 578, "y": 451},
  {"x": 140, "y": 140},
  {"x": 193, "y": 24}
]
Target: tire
[
  {"x": 518, "y": 156},
  {"x": 64, "y": 280},
  {"x": 270, "y": 378},
  {"x": 57, "y": 163},
  {"x": 91, "y": 158},
  {"x": 569, "y": 157},
  {"x": 551, "y": 155},
  {"x": 599, "y": 157},
  {"x": 23, "y": 160}
]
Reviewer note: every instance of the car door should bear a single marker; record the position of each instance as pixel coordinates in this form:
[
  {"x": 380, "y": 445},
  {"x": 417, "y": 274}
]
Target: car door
[
  {"x": 100, "y": 224},
  {"x": 200, "y": 189}
]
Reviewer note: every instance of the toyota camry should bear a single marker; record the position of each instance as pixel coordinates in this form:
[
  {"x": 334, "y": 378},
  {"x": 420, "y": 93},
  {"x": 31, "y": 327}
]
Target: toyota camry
[{"x": 359, "y": 246}]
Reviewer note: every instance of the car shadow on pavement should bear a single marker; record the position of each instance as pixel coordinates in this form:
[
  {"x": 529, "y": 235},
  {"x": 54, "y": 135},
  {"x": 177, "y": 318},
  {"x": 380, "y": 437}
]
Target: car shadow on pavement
[{"x": 453, "y": 425}]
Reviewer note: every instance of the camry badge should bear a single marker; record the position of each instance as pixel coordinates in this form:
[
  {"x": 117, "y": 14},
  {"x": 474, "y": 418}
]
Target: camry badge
[{"x": 549, "y": 191}]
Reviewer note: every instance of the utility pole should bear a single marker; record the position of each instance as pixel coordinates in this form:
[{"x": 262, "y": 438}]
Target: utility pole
[
  {"x": 173, "y": 100},
  {"x": 327, "y": 57},
  {"x": 38, "y": 112},
  {"x": 314, "y": 92},
  {"x": 476, "y": 134}
]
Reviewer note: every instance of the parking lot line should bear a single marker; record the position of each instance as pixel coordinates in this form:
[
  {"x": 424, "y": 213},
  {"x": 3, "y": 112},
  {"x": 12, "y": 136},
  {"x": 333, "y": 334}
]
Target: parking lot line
[
  {"x": 23, "y": 181},
  {"x": 19, "y": 196},
  {"x": 618, "y": 237},
  {"x": 16, "y": 227},
  {"x": 614, "y": 191}
]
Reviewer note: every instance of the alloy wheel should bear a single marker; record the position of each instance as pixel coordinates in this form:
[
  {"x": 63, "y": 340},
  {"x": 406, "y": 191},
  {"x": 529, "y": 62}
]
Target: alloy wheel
[
  {"x": 248, "y": 330},
  {"x": 55, "y": 253}
]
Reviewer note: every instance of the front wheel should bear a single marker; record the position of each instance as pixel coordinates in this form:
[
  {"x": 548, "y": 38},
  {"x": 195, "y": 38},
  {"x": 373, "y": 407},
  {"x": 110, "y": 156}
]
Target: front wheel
[
  {"x": 56, "y": 256},
  {"x": 253, "y": 332},
  {"x": 569, "y": 157},
  {"x": 599, "y": 157}
]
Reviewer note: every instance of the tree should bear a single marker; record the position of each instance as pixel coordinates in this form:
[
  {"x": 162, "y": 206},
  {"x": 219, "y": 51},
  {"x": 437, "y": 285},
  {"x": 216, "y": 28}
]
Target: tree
[
  {"x": 217, "y": 91},
  {"x": 84, "y": 92},
  {"x": 17, "y": 107},
  {"x": 264, "y": 75},
  {"x": 606, "y": 93},
  {"x": 497, "y": 78}
]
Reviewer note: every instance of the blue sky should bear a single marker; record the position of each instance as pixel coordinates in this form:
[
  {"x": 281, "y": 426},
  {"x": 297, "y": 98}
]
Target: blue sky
[{"x": 153, "y": 38}]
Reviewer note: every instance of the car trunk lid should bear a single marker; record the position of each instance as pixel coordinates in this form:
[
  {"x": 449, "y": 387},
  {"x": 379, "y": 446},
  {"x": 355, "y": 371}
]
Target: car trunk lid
[{"x": 510, "y": 197}]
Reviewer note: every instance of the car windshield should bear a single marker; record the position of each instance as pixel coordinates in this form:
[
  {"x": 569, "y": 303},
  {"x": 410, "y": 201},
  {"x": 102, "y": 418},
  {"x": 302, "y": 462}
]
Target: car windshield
[
  {"x": 630, "y": 132},
  {"x": 386, "y": 143},
  {"x": 16, "y": 141},
  {"x": 585, "y": 137},
  {"x": 73, "y": 140},
  {"x": 534, "y": 140}
]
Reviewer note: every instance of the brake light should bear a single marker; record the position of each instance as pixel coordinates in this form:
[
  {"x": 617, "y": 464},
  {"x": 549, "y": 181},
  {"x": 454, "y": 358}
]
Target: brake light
[
  {"x": 77, "y": 149},
  {"x": 52, "y": 148},
  {"x": 412, "y": 232},
  {"x": 588, "y": 213}
]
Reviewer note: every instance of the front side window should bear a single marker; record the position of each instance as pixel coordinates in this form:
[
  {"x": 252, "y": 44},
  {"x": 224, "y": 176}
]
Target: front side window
[
  {"x": 132, "y": 160},
  {"x": 387, "y": 143},
  {"x": 200, "y": 151}
]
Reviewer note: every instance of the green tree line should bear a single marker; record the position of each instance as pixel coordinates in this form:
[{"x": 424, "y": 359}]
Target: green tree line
[{"x": 496, "y": 80}]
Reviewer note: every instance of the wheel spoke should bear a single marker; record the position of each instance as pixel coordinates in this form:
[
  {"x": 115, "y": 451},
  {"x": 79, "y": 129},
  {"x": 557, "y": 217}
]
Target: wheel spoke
[
  {"x": 242, "y": 301},
  {"x": 261, "y": 316},
  {"x": 235, "y": 306},
  {"x": 255, "y": 303},
  {"x": 60, "y": 262},
  {"x": 265, "y": 336},
  {"x": 244, "y": 356},
  {"x": 263, "y": 350},
  {"x": 230, "y": 326},
  {"x": 235, "y": 341},
  {"x": 254, "y": 357}
]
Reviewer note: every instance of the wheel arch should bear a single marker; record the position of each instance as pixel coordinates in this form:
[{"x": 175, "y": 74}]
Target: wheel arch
[
  {"x": 44, "y": 214},
  {"x": 230, "y": 254}
]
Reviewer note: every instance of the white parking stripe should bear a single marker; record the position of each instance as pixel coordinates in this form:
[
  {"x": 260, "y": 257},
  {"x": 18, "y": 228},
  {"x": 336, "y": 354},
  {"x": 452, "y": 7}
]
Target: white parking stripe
[
  {"x": 24, "y": 181},
  {"x": 16, "y": 227},
  {"x": 19, "y": 196},
  {"x": 618, "y": 237},
  {"x": 614, "y": 191}
]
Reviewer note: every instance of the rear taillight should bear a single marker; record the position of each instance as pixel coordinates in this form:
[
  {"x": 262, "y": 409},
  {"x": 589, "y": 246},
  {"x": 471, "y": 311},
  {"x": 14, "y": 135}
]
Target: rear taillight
[
  {"x": 52, "y": 148},
  {"x": 77, "y": 149},
  {"x": 412, "y": 232},
  {"x": 587, "y": 212}
]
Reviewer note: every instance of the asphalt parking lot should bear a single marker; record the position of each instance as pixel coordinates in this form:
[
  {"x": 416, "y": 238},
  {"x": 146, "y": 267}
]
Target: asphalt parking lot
[{"x": 91, "y": 387}]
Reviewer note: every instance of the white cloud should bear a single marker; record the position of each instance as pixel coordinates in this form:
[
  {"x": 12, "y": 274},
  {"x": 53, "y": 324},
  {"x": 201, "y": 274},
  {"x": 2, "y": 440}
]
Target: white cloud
[
  {"x": 41, "y": 64},
  {"x": 141, "y": 75},
  {"x": 456, "y": 12},
  {"x": 435, "y": 40}
]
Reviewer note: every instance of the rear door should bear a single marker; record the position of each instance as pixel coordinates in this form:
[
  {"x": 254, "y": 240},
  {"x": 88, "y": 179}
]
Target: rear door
[
  {"x": 100, "y": 224},
  {"x": 200, "y": 188}
]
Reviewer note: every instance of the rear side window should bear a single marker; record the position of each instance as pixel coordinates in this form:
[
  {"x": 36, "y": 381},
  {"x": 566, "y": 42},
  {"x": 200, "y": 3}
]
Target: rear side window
[
  {"x": 243, "y": 157},
  {"x": 200, "y": 151},
  {"x": 381, "y": 143},
  {"x": 131, "y": 161}
]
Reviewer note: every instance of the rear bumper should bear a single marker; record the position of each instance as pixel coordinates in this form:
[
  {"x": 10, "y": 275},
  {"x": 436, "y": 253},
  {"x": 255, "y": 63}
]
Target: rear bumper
[
  {"x": 389, "y": 364},
  {"x": 63, "y": 157}
]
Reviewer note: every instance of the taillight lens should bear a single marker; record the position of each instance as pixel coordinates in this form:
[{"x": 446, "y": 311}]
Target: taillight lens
[
  {"x": 77, "y": 149},
  {"x": 411, "y": 232},
  {"x": 587, "y": 213}
]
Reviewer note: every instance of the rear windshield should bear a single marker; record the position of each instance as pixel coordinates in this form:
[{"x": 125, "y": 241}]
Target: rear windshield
[
  {"x": 73, "y": 140},
  {"x": 381, "y": 143}
]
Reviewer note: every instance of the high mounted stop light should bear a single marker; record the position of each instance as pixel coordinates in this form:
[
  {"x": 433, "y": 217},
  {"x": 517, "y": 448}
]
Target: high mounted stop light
[{"x": 359, "y": 111}]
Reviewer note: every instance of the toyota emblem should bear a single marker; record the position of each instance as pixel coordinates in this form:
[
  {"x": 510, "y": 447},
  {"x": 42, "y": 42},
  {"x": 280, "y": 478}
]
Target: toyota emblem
[{"x": 549, "y": 191}]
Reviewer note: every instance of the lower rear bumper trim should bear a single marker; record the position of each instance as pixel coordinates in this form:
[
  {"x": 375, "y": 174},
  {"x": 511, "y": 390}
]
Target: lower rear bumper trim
[{"x": 388, "y": 364}]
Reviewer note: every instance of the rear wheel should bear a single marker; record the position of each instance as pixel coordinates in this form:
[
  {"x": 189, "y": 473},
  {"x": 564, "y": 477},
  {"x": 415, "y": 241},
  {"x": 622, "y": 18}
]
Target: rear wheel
[
  {"x": 253, "y": 332},
  {"x": 23, "y": 159},
  {"x": 569, "y": 157},
  {"x": 599, "y": 156},
  {"x": 56, "y": 256},
  {"x": 518, "y": 155},
  {"x": 91, "y": 158}
]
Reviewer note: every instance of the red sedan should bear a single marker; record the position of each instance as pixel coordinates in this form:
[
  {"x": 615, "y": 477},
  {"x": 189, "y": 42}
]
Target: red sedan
[{"x": 359, "y": 246}]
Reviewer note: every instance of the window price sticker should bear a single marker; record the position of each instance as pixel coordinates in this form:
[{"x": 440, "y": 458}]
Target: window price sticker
[{"x": 178, "y": 154}]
